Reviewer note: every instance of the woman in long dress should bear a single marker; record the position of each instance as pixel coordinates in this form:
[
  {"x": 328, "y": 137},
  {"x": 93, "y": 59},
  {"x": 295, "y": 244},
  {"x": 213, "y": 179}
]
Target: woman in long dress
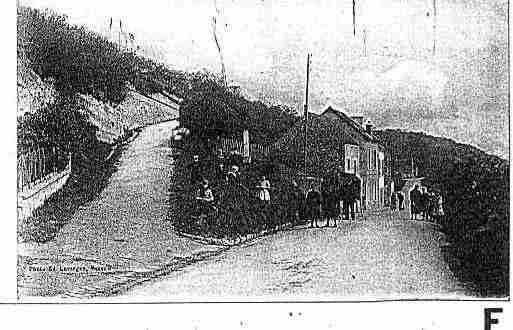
[{"x": 263, "y": 193}]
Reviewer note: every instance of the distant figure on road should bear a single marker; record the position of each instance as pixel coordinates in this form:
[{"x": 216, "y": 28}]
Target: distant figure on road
[
  {"x": 415, "y": 197},
  {"x": 313, "y": 207},
  {"x": 357, "y": 190},
  {"x": 439, "y": 208},
  {"x": 295, "y": 204},
  {"x": 195, "y": 171},
  {"x": 432, "y": 205},
  {"x": 424, "y": 203},
  {"x": 393, "y": 201},
  {"x": 400, "y": 199},
  {"x": 350, "y": 193},
  {"x": 263, "y": 190}
]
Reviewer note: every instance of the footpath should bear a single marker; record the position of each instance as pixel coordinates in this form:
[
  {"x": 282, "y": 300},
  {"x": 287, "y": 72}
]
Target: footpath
[{"x": 118, "y": 240}]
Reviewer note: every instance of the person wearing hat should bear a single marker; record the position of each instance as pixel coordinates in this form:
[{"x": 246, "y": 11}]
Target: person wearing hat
[{"x": 232, "y": 177}]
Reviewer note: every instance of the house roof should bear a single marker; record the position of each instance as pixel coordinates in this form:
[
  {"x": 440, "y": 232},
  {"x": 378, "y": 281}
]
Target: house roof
[
  {"x": 326, "y": 139},
  {"x": 351, "y": 122}
]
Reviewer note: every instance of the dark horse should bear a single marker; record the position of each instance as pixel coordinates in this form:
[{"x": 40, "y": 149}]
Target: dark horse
[
  {"x": 350, "y": 190},
  {"x": 330, "y": 198}
]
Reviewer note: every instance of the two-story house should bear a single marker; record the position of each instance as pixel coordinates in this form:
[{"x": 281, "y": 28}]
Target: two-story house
[{"x": 365, "y": 158}]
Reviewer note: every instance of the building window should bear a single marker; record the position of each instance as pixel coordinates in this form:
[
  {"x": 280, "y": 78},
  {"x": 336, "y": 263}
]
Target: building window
[{"x": 352, "y": 158}]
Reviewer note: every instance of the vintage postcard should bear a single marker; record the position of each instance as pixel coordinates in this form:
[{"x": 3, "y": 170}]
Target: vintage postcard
[{"x": 176, "y": 151}]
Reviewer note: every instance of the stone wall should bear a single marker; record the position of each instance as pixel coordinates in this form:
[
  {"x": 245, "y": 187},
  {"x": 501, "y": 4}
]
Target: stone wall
[{"x": 31, "y": 198}]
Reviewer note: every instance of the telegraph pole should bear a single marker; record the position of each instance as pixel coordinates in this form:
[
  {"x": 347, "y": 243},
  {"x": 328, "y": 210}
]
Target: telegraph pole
[
  {"x": 434, "y": 27},
  {"x": 364, "y": 42},
  {"x": 305, "y": 116},
  {"x": 354, "y": 18}
]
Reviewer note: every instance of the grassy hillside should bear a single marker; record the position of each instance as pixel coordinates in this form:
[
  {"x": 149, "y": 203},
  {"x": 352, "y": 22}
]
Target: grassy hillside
[
  {"x": 475, "y": 187},
  {"x": 80, "y": 61}
]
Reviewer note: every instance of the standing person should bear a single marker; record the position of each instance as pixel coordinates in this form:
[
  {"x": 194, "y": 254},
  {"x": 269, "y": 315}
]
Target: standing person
[
  {"x": 325, "y": 207},
  {"x": 313, "y": 206},
  {"x": 432, "y": 204},
  {"x": 424, "y": 203},
  {"x": 439, "y": 208},
  {"x": 393, "y": 201},
  {"x": 205, "y": 198},
  {"x": 220, "y": 173},
  {"x": 415, "y": 196},
  {"x": 348, "y": 195},
  {"x": 357, "y": 191},
  {"x": 343, "y": 191},
  {"x": 195, "y": 171},
  {"x": 220, "y": 169},
  {"x": 295, "y": 204},
  {"x": 232, "y": 177},
  {"x": 335, "y": 198},
  {"x": 263, "y": 190},
  {"x": 400, "y": 199}
]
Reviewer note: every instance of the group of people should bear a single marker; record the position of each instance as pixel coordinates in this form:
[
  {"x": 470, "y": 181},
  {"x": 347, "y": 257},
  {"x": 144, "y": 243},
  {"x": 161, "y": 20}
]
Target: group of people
[
  {"x": 426, "y": 204},
  {"x": 337, "y": 195},
  {"x": 226, "y": 172},
  {"x": 326, "y": 203}
]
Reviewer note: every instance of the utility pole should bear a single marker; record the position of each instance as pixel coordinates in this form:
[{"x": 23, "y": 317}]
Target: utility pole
[
  {"x": 305, "y": 116},
  {"x": 434, "y": 27},
  {"x": 354, "y": 18},
  {"x": 364, "y": 42}
]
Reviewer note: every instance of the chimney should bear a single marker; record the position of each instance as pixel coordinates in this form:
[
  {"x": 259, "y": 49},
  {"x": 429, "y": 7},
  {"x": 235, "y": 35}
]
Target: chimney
[{"x": 358, "y": 120}]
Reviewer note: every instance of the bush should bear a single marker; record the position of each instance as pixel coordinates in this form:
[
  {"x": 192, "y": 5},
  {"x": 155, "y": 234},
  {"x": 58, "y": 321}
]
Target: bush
[
  {"x": 61, "y": 125},
  {"x": 211, "y": 110}
]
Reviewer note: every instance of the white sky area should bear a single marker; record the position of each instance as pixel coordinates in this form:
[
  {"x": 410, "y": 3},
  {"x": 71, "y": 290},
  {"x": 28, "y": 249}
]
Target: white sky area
[{"x": 461, "y": 92}]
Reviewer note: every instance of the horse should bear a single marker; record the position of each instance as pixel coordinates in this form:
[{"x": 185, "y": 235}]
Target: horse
[
  {"x": 349, "y": 192},
  {"x": 330, "y": 199}
]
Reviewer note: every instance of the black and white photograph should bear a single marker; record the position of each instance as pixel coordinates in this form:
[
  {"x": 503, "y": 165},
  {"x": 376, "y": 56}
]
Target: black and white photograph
[{"x": 173, "y": 151}]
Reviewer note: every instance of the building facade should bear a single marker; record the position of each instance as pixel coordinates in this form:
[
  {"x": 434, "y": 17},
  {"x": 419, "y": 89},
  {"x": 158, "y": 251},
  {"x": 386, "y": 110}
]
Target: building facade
[{"x": 366, "y": 158}]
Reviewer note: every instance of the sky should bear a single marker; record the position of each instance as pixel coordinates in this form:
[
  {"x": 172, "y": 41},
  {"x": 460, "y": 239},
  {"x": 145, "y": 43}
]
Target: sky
[{"x": 460, "y": 91}]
